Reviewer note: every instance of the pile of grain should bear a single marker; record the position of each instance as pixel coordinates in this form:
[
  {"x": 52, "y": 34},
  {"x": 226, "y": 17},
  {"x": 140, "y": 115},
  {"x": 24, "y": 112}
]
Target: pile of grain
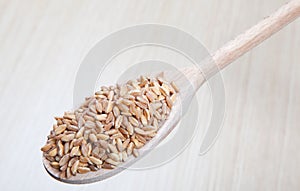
[{"x": 109, "y": 126}]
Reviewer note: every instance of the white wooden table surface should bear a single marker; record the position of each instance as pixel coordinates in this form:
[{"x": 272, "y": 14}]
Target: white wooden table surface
[{"x": 42, "y": 44}]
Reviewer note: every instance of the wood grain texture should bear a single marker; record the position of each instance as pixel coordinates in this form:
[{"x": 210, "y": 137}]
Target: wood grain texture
[{"x": 42, "y": 44}]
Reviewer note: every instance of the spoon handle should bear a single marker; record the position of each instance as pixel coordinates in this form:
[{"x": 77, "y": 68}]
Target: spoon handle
[{"x": 253, "y": 36}]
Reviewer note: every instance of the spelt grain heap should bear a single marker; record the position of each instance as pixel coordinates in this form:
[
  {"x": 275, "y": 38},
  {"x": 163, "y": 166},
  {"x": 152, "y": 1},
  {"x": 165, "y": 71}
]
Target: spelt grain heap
[{"x": 109, "y": 126}]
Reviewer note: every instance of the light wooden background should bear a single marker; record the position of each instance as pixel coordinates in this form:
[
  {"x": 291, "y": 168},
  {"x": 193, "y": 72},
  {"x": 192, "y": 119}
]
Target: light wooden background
[{"x": 42, "y": 44}]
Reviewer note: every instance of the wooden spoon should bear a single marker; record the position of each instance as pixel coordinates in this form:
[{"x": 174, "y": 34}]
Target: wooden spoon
[{"x": 196, "y": 76}]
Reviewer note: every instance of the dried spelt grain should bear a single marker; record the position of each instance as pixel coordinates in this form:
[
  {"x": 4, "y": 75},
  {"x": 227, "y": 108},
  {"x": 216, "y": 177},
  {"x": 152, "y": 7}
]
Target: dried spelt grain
[
  {"x": 60, "y": 129},
  {"x": 52, "y": 152},
  {"x": 102, "y": 136},
  {"x": 74, "y": 167},
  {"x": 83, "y": 170},
  {"x": 47, "y": 147},
  {"x": 95, "y": 160},
  {"x": 55, "y": 165},
  {"x": 64, "y": 160},
  {"x": 92, "y": 138}
]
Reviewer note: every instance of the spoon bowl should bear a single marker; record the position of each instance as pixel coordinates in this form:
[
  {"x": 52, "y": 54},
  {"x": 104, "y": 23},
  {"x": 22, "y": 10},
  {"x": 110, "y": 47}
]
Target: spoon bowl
[{"x": 187, "y": 88}]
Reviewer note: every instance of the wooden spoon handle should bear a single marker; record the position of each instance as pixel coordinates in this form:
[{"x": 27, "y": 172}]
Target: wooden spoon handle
[{"x": 253, "y": 36}]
